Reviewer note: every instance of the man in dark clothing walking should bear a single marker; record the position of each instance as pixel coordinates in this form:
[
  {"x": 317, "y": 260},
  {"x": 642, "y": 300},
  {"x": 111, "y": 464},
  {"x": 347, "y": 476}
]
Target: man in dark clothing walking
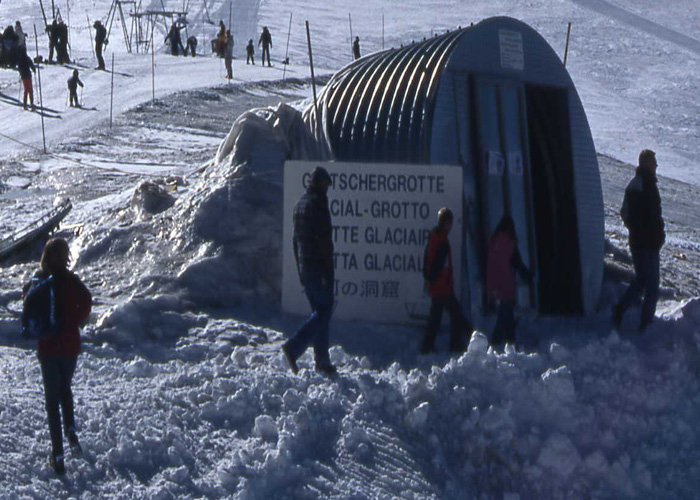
[
  {"x": 313, "y": 252},
  {"x": 266, "y": 41},
  {"x": 356, "y": 48},
  {"x": 73, "y": 83},
  {"x": 641, "y": 213},
  {"x": 438, "y": 276},
  {"x": 100, "y": 41}
]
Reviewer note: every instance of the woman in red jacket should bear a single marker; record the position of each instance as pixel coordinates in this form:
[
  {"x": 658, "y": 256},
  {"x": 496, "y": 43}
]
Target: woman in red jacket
[
  {"x": 503, "y": 261},
  {"x": 58, "y": 354},
  {"x": 438, "y": 276}
]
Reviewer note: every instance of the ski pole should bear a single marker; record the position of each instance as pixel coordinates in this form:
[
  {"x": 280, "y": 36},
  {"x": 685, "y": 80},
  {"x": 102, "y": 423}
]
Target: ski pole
[{"x": 82, "y": 103}]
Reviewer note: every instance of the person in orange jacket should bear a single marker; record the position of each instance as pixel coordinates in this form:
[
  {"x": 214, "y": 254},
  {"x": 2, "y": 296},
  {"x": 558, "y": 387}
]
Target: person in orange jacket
[
  {"x": 437, "y": 271},
  {"x": 58, "y": 354},
  {"x": 503, "y": 261}
]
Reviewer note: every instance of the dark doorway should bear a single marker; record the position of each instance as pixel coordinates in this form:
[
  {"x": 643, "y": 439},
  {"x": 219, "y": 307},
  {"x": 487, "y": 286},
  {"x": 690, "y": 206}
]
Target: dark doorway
[{"x": 556, "y": 226}]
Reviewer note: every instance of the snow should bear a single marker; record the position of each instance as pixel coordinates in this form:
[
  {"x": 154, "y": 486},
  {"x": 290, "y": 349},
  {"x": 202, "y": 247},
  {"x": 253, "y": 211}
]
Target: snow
[{"x": 181, "y": 391}]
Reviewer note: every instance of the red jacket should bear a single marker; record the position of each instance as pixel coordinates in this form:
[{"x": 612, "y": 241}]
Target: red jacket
[
  {"x": 438, "y": 262},
  {"x": 74, "y": 302}
]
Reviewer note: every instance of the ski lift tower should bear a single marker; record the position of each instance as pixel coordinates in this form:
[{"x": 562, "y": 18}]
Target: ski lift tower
[
  {"x": 145, "y": 24},
  {"x": 117, "y": 8}
]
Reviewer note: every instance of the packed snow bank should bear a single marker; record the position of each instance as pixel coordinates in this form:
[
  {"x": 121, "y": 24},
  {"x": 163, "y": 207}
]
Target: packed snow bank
[
  {"x": 219, "y": 245},
  {"x": 224, "y": 418}
]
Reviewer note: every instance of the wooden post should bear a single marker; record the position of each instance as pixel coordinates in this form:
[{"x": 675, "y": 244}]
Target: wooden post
[
  {"x": 352, "y": 56},
  {"x": 153, "y": 64},
  {"x": 41, "y": 100},
  {"x": 286, "y": 52},
  {"x": 111, "y": 95},
  {"x": 313, "y": 79},
  {"x": 94, "y": 54},
  {"x": 382, "y": 31},
  {"x": 566, "y": 49},
  {"x": 230, "y": 9}
]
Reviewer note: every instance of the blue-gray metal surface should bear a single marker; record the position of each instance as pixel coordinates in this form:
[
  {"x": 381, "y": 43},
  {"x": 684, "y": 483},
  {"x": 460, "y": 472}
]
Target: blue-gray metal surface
[{"x": 381, "y": 106}]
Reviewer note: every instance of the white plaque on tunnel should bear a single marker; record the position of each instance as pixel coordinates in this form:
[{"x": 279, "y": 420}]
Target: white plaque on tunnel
[{"x": 382, "y": 215}]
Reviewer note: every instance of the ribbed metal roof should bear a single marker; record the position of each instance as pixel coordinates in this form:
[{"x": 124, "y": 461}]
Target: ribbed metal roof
[{"x": 380, "y": 107}]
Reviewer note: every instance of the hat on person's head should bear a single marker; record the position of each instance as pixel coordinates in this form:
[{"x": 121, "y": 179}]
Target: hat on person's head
[
  {"x": 444, "y": 216},
  {"x": 645, "y": 156},
  {"x": 96, "y": 23},
  {"x": 320, "y": 174}
]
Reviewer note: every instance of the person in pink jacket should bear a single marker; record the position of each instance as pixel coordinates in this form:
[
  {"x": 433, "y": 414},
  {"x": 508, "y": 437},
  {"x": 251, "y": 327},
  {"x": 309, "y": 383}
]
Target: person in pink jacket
[{"x": 503, "y": 261}]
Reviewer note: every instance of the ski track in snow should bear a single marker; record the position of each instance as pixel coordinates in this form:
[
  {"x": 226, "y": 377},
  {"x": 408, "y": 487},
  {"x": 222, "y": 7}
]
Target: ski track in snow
[{"x": 641, "y": 23}]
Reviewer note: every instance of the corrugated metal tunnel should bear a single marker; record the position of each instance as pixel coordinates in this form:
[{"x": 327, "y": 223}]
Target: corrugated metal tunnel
[{"x": 496, "y": 100}]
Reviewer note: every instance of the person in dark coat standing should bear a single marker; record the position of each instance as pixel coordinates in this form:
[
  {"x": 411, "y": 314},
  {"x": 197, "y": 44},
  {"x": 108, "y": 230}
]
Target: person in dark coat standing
[
  {"x": 250, "y": 53},
  {"x": 100, "y": 42},
  {"x": 503, "y": 261},
  {"x": 191, "y": 46},
  {"x": 437, "y": 271},
  {"x": 62, "y": 43},
  {"x": 52, "y": 30},
  {"x": 313, "y": 252},
  {"x": 641, "y": 213},
  {"x": 175, "y": 40},
  {"x": 228, "y": 59},
  {"x": 73, "y": 83},
  {"x": 25, "y": 66},
  {"x": 266, "y": 41},
  {"x": 58, "y": 355},
  {"x": 356, "y": 48}
]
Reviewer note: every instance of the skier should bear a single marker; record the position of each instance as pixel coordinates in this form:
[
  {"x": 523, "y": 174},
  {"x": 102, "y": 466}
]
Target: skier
[
  {"x": 221, "y": 40},
  {"x": 10, "y": 51},
  {"x": 229, "y": 55},
  {"x": 503, "y": 261},
  {"x": 73, "y": 83},
  {"x": 641, "y": 213},
  {"x": 437, "y": 270},
  {"x": 356, "y": 48},
  {"x": 21, "y": 37},
  {"x": 313, "y": 252},
  {"x": 250, "y": 53},
  {"x": 25, "y": 66},
  {"x": 100, "y": 42},
  {"x": 175, "y": 41},
  {"x": 62, "y": 43},
  {"x": 266, "y": 41},
  {"x": 52, "y": 30},
  {"x": 191, "y": 46},
  {"x": 58, "y": 354}
]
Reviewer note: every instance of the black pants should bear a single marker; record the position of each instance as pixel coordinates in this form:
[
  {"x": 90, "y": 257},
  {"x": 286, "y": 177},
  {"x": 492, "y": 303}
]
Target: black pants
[
  {"x": 57, "y": 372},
  {"x": 100, "y": 59},
  {"x": 266, "y": 50},
  {"x": 459, "y": 325},
  {"x": 504, "y": 331},
  {"x": 249, "y": 59},
  {"x": 74, "y": 98}
]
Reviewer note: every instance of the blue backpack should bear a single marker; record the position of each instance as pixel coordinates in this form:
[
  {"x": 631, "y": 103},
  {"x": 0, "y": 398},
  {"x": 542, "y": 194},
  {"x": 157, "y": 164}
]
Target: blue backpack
[{"x": 40, "y": 314}]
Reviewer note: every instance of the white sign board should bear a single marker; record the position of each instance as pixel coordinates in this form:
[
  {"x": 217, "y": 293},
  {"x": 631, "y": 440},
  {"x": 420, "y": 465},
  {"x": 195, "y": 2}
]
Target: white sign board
[
  {"x": 382, "y": 215},
  {"x": 512, "y": 53}
]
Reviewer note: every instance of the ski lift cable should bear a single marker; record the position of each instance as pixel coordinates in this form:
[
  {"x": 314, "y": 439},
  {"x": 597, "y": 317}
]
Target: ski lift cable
[{"x": 71, "y": 160}]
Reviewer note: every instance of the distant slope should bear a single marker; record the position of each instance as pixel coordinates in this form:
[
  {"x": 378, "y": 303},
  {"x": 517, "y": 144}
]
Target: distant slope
[{"x": 641, "y": 23}]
